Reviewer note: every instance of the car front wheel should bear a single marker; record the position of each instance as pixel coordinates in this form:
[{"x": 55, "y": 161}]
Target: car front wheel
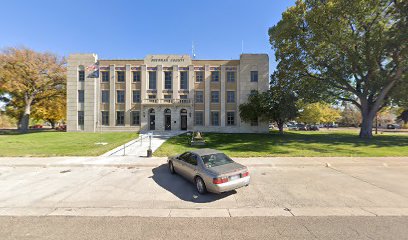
[
  {"x": 171, "y": 168},
  {"x": 200, "y": 185}
]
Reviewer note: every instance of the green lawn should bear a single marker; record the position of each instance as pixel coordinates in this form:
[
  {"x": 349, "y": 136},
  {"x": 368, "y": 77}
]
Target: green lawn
[
  {"x": 299, "y": 144},
  {"x": 51, "y": 143}
]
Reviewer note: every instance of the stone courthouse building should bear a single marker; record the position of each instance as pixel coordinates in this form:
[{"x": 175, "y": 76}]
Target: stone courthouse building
[{"x": 163, "y": 93}]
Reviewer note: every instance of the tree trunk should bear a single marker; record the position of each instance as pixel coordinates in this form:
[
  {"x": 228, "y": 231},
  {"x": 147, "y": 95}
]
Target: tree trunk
[
  {"x": 25, "y": 119},
  {"x": 280, "y": 127},
  {"x": 366, "y": 130},
  {"x": 52, "y": 124}
]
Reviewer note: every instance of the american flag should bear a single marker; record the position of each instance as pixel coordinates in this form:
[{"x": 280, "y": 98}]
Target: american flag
[{"x": 92, "y": 67}]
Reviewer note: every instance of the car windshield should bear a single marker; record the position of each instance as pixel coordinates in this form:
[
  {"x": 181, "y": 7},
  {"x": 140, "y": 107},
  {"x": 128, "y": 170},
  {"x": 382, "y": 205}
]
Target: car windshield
[{"x": 216, "y": 159}]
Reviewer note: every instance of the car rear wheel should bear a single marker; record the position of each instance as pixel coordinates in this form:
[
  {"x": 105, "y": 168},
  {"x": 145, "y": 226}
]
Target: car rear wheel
[
  {"x": 171, "y": 168},
  {"x": 200, "y": 185}
]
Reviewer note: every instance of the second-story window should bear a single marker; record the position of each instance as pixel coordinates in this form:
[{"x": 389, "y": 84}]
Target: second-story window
[
  {"x": 105, "y": 76},
  {"x": 230, "y": 96},
  {"x": 168, "y": 76},
  {"x": 199, "y": 76},
  {"x": 199, "y": 98},
  {"x": 105, "y": 96},
  {"x": 136, "y": 76},
  {"x": 215, "y": 76},
  {"x": 254, "y": 76},
  {"x": 152, "y": 80},
  {"x": 120, "y": 96},
  {"x": 184, "y": 80},
  {"x": 230, "y": 76},
  {"x": 215, "y": 98},
  {"x": 121, "y": 76},
  {"x": 81, "y": 96},
  {"x": 81, "y": 75}
]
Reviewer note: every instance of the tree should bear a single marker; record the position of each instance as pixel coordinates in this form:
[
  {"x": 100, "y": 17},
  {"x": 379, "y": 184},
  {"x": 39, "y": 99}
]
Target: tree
[
  {"x": 354, "y": 50},
  {"x": 277, "y": 104},
  {"x": 403, "y": 116},
  {"x": 51, "y": 110},
  {"x": 318, "y": 113},
  {"x": 28, "y": 77},
  {"x": 350, "y": 116}
]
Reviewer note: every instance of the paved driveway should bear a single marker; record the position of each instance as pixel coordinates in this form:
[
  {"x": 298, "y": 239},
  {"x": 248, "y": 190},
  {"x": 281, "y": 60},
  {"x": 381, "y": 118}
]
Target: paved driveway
[{"x": 280, "y": 187}]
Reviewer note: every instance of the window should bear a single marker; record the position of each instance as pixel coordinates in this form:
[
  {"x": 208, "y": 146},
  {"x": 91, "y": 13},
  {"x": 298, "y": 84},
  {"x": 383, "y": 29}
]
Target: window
[
  {"x": 105, "y": 96},
  {"x": 81, "y": 75},
  {"x": 121, "y": 76},
  {"x": 199, "y": 76},
  {"x": 183, "y": 96},
  {"x": 215, "y": 117},
  {"x": 168, "y": 76},
  {"x": 230, "y": 76},
  {"x": 183, "y": 80},
  {"x": 105, "y": 118},
  {"x": 215, "y": 76},
  {"x": 136, "y": 76},
  {"x": 120, "y": 118},
  {"x": 254, "y": 76},
  {"x": 192, "y": 159},
  {"x": 199, "y": 118},
  {"x": 152, "y": 80},
  {"x": 105, "y": 76},
  {"x": 168, "y": 96},
  {"x": 254, "y": 122},
  {"x": 120, "y": 96},
  {"x": 136, "y": 96},
  {"x": 199, "y": 97},
  {"x": 135, "y": 118},
  {"x": 81, "y": 96},
  {"x": 230, "y": 96},
  {"x": 152, "y": 96},
  {"x": 215, "y": 96},
  {"x": 230, "y": 118},
  {"x": 81, "y": 117}
]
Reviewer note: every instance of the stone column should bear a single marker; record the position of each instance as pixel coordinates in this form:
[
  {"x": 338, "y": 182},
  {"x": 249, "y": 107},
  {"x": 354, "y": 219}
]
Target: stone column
[
  {"x": 191, "y": 82},
  {"x": 112, "y": 96},
  {"x": 222, "y": 96},
  {"x": 159, "y": 82},
  {"x": 128, "y": 95},
  {"x": 144, "y": 115},
  {"x": 207, "y": 95},
  {"x": 237, "y": 97},
  {"x": 176, "y": 82}
]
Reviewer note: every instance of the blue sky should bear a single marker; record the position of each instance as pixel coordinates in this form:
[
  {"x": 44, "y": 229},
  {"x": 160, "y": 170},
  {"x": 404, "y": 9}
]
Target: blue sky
[{"x": 133, "y": 29}]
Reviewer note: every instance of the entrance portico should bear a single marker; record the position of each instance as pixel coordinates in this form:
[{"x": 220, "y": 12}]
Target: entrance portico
[{"x": 166, "y": 118}]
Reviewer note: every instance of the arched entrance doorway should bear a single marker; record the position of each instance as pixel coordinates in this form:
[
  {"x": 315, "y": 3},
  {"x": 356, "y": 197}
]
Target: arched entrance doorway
[
  {"x": 152, "y": 119},
  {"x": 167, "y": 119},
  {"x": 183, "y": 118}
]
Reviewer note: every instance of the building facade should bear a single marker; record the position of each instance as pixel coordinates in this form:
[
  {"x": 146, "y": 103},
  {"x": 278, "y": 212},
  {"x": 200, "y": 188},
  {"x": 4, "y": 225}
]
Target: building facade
[{"x": 163, "y": 93}]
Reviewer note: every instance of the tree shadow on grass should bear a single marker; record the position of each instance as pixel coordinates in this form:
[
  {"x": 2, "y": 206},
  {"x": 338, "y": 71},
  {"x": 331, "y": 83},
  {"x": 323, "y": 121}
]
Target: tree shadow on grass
[
  {"x": 17, "y": 132},
  {"x": 182, "y": 188}
]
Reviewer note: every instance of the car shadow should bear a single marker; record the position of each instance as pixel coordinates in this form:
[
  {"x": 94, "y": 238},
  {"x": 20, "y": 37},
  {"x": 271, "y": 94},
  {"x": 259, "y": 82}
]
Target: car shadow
[{"x": 182, "y": 188}]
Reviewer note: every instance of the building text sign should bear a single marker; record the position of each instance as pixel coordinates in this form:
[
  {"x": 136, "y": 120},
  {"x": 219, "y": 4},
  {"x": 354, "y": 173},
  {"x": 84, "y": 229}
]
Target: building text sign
[{"x": 168, "y": 60}]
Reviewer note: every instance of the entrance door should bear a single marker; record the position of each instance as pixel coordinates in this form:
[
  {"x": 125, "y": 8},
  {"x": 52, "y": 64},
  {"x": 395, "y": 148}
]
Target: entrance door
[
  {"x": 152, "y": 122},
  {"x": 167, "y": 122},
  {"x": 183, "y": 122}
]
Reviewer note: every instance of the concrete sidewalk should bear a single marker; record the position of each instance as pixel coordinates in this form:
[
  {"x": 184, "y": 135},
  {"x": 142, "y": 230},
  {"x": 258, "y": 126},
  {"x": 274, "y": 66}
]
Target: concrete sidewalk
[{"x": 139, "y": 147}]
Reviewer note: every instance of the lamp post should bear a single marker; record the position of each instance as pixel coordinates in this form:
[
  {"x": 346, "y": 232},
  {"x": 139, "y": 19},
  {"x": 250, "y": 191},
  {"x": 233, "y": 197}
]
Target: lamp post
[{"x": 149, "y": 151}]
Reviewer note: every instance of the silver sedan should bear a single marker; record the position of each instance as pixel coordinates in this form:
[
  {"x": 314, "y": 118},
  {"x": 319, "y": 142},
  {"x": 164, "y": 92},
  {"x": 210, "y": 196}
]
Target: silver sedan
[{"x": 210, "y": 170}]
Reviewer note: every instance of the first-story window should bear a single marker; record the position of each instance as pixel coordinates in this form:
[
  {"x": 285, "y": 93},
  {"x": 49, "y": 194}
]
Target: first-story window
[
  {"x": 199, "y": 118},
  {"x": 81, "y": 118},
  {"x": 135, "y": 118},
  {"x": 254, "y": 122},
  {"x": 105, "y": 118},
  {"x": 230, "y": 118},
  {"x": 120, "y": 118},
  {"x": 183, "y": 96},
  {"x": 136, "y": 96},
  {"x": 215, "y": 118}
]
